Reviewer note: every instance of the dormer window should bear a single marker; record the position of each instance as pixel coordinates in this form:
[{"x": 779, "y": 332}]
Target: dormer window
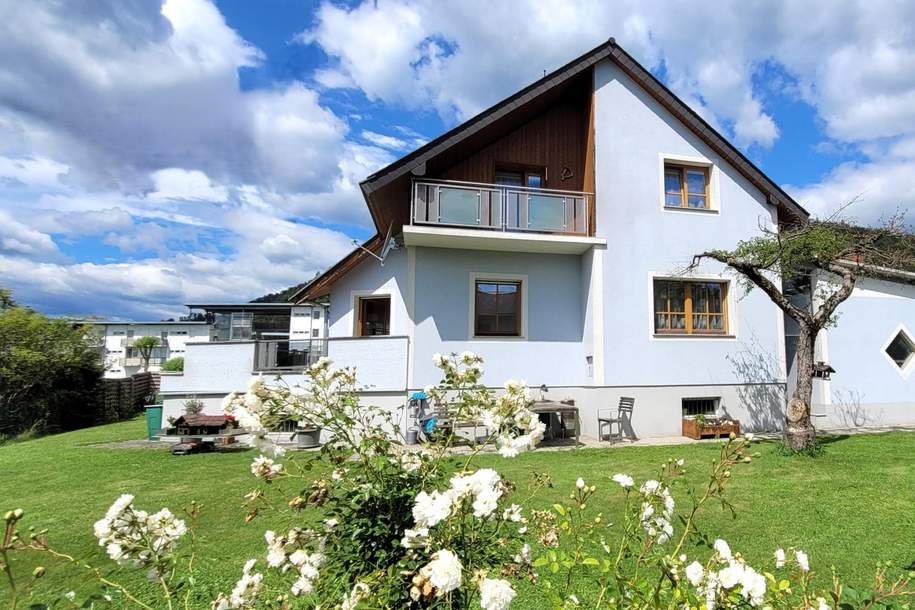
[{"x": 686, "y": 186}]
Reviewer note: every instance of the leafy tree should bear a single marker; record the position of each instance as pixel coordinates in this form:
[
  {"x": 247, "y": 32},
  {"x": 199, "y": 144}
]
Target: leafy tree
[
  {"x": 6, "y": 299},
  {"x": 146, "y": 345},
  {"x": 173, "y": 364},
  {"x": 49, "y": 373},
  {"x": 835, "y": 250}
]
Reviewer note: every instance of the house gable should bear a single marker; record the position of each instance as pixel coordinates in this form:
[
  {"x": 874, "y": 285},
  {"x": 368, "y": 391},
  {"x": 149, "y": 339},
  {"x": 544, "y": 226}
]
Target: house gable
[{"x": 509, "y": 127}]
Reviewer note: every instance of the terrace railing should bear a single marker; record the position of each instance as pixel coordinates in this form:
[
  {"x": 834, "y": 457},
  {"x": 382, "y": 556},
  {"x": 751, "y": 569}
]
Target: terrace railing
[
  {"x": 288, "y": 355},
  {"x": 499, "y": 207}
]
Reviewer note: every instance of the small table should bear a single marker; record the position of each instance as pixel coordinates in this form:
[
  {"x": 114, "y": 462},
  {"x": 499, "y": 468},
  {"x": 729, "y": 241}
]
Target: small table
[{"x": 566, "y": 412}]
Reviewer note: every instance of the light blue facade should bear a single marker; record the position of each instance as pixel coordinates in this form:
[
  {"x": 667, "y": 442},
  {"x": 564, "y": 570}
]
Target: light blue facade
[
  {"x": 589, "y": 317},
  {"x": 553, "y": 351},
  {"x": 634, "y": 135}
]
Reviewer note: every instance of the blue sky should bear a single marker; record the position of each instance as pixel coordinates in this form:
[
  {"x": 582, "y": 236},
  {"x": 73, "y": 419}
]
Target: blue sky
[{"x": 153, "y": 154}]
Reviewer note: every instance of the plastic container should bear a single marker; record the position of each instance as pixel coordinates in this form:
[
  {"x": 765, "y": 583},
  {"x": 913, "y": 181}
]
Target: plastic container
[{"x": 153, "y": 421}]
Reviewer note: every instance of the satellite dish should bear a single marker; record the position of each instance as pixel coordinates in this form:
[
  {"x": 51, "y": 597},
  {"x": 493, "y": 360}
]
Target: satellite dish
[{"x": 389, "y": 244}]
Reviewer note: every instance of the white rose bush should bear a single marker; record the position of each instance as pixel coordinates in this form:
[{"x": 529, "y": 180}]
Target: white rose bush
[{"x": 370, "y": 522}]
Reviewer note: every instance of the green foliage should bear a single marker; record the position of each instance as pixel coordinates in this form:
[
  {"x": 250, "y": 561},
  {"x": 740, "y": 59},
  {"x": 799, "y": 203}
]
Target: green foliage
[
  {"x": 146, "y": 345},
  {"x": 49, "y": 373},
  {"x": 173, "y": 364},
  {"x": 793, "y": 252},
  {"x": 193, "y": 406},
  {"x": 6, "y": 299}
]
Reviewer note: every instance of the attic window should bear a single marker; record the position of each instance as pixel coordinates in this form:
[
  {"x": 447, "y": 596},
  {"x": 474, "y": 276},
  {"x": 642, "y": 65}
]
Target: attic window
[
  {"x": 901, "y": 349},
  {"x": 686, "y": 186}
]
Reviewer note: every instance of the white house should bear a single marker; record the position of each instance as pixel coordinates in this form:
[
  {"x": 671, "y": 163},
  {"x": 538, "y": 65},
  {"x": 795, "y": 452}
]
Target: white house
[
  {"x": 550, "y": 234},
  {"x": 121, "y": 359},
  {"x": 872, "y": 351}
]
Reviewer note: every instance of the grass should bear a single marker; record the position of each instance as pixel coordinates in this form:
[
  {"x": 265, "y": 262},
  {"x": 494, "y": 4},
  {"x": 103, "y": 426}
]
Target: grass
[{"x": 850, "y": 506}]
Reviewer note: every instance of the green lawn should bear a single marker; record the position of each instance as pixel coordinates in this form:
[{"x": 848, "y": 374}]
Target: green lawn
[{"x": 850, "y": 507}]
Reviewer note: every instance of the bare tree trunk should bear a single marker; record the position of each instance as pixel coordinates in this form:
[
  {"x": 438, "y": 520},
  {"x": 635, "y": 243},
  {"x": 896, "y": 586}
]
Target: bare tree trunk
[{"x": 799, "y": 431}]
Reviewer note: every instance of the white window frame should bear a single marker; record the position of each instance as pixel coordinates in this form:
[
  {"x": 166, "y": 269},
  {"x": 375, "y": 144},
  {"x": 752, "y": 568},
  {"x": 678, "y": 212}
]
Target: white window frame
[
  {"x": 713, "y": 190},
  {"x": 730, "y": 303},
  {"x": 472, "y": 293},
  {"x": 906, "y": 370},
  {"x": 355, "y": 295}
]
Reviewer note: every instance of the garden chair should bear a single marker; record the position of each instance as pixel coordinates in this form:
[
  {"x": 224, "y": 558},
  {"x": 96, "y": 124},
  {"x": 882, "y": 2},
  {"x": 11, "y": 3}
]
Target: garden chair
[{"x": 623, "y": 417}]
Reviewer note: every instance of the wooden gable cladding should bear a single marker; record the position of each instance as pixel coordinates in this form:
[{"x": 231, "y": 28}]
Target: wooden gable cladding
[{"x": 555, "y": 139}]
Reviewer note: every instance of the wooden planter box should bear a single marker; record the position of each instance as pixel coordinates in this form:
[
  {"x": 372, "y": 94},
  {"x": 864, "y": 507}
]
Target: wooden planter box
[{"x": 709, "y": 429}]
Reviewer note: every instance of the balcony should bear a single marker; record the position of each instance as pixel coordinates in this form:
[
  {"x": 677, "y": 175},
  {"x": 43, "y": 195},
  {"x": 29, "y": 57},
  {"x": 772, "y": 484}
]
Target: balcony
[
  {"x": 286, "y": 355},
  {"x": 471, "y": 215}
]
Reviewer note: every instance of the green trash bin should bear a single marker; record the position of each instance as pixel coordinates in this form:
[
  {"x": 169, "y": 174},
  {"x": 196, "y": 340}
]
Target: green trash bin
[{"x": 153, "y": 421}]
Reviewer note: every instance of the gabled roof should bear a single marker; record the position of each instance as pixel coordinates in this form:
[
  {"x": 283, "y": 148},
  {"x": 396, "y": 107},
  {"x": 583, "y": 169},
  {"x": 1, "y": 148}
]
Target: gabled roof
[
  {"x": 416, "y": 161},
  {"x": 387, "y": 190}
]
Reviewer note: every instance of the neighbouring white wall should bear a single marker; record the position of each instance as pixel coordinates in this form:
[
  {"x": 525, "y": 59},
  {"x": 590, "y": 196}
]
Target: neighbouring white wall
[
  {"x": 867, "y": 389},
  {"x": 380, "y": 362},
  {"x": 213, "y": 368},
  {"x": 632, "y": 134}
]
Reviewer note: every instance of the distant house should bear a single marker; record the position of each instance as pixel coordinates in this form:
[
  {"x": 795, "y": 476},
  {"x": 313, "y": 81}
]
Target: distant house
[
  {"x": 122, "y": 359},
  {"x": 550, "y": 234},
  {"x": 244, "y": 338}
]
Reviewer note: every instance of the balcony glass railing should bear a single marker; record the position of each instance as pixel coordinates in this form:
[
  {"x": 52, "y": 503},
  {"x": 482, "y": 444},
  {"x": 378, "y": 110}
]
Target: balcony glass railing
[
  {"x": 288, "y": 355},
  {"x": 504, "y": 208}
]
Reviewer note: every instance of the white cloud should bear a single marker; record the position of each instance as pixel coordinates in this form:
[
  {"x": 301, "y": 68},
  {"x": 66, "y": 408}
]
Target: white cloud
[
  {"x": 124, "y": 123},
  {"x": 177, "y": 183},
  {"x": 852, "y": 61},
  {"x": 17, "y": 238},
  {"x": 877, "y": 189},
  {"x": 385, "y": 141}
]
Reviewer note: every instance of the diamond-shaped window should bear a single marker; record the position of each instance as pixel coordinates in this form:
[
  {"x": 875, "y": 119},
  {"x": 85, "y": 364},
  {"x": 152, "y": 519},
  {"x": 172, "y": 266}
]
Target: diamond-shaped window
[{"x": 901, "y": 349}]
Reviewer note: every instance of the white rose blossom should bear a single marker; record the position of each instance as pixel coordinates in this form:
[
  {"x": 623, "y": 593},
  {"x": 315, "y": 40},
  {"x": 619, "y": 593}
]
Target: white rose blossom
[
  {"x": 244, "y": 593},
  {"x": 264, "y": 468},
  {"x": 779, "y": 558},
  {"x": 134, "y": 536},
  {"x": 444, "y": 571},
  {"x": 624, "y": 480},
  {"x": 802, "y": 561},
  {"x": 496, "y": 594},
  {"x": 694, "y": 573}
]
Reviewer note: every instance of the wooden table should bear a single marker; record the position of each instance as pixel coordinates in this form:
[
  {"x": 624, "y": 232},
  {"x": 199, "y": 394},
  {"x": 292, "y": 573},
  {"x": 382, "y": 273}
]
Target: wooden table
[{"x": 564, "y": 411}]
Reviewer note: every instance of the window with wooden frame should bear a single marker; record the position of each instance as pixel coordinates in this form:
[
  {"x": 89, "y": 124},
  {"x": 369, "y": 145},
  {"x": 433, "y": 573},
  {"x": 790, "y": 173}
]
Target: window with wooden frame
[
  {"x": 690, "y": 307},
  {"x": 374, "y": 316},
  {"x": 497, "y": 308},
  {"x": 686, "y": 186}
]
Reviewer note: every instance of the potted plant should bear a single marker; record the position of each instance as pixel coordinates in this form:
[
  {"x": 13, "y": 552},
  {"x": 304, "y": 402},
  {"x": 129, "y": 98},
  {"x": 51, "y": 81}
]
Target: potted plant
[{"x": 308, "y": 436}]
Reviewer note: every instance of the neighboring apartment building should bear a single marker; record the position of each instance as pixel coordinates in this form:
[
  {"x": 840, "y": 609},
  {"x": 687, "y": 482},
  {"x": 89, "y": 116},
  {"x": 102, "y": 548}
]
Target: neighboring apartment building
[
  {"x": 243, "y": 338},
  {"x": 121, "y": 359},
  {"x": 550, "y": 234}
]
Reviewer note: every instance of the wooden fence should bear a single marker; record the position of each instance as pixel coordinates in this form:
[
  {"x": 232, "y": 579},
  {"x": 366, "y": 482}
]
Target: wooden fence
[{"x": 123, "y": 398}]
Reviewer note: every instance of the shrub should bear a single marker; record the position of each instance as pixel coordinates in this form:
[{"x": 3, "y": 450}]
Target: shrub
[
  {"x": 50, "y": 372},
  {"x": 173, "y": 365},
  {"x": 193, "y": 406}
]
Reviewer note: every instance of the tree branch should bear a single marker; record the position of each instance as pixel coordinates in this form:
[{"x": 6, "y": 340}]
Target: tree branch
[
  {"x": 821, "y": 317},
  {"x": 756, "y": 275}
]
